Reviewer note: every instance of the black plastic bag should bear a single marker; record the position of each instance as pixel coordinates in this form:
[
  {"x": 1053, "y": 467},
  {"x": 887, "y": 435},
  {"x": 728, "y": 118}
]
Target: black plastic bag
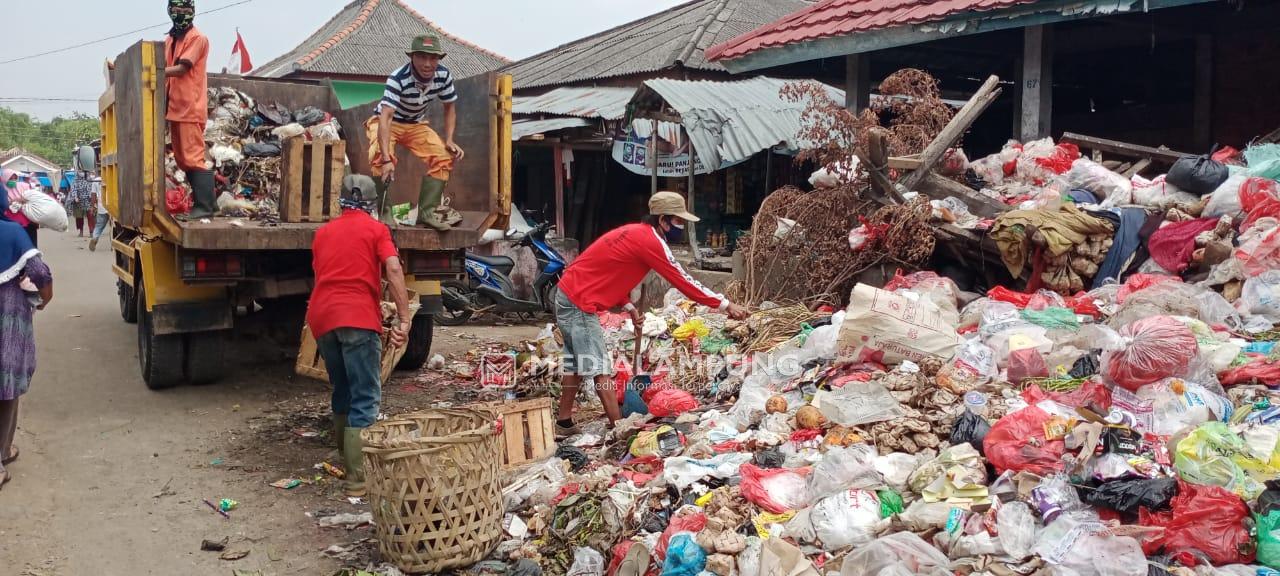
[
  {"x": 1086, "y": 366},
  {"x": 309, "y": 116},
  {"x": 770, "y": 458},
  {"x": 1269, "y": 500},
  {"x": 1128, "y": 495},
  {"x": 274, "y": 113},
  {"x": 1198, "y": 175},
  {"x": 261, "y": 149},
  {"x": 576, "y": 458},
  {"x": 970, "y": 428}
]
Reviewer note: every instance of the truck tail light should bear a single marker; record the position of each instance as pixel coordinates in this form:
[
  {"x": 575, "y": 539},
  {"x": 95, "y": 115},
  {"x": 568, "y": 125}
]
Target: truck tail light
[{"x": 212, "y": 266}]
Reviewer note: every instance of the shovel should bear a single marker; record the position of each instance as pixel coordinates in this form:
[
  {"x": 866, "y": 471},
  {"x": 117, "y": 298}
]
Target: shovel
[{"x": 632, "y": 402}]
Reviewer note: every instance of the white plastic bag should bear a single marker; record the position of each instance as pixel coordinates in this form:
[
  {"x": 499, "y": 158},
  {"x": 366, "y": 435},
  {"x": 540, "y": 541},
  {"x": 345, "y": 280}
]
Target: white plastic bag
[
  {"x": 586, "y": 562},
  {"x": 44, "y": 210},
  {"x": 1172, "y": 412},
  {"x": 1159, "y": 194},
  {"x": 1225, "y": 201},
  {"x": 897, "y": 553},
  {"x": 1017, "y": 529},
  {"x": 1113, "y": 188},
  {"x": 1261, "y": 296},
  {"x": 858, "y": 403},
  {"x": 845, "y": 519},
  {"x": 682, "y": 471},
  {"x": 749, "y": 559},
  {"x": 844, "y": 468}
]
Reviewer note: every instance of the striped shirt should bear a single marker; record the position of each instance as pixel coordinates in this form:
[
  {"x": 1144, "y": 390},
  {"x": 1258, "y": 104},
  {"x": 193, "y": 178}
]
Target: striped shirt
[{"x": 409, "y": 96}]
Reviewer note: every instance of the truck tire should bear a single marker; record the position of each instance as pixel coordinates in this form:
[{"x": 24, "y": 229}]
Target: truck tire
[
  {"x": 206, "y": 363},
  {"x": 162, "y": 358},
  {"x": 128, "y": 302},
  {"x": 419, "y": 345},
  {"x": 451, "y": 315}
]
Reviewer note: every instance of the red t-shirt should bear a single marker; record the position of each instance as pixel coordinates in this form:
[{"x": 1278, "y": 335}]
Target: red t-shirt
[
  {"x": 602, "y": 277},
  {"x": 347, "y": 256}
]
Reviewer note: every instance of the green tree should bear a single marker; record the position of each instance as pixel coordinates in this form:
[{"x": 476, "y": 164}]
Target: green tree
[{"x": 54, "y": 139}]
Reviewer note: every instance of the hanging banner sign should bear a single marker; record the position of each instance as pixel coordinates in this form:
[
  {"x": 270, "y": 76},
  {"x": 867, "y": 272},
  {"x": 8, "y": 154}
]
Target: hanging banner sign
[{"x": 633, "y": 153}]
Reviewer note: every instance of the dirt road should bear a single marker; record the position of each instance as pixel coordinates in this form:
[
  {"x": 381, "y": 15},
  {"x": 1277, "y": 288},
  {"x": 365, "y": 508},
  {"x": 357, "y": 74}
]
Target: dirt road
[{"x": 112, "y": 477}]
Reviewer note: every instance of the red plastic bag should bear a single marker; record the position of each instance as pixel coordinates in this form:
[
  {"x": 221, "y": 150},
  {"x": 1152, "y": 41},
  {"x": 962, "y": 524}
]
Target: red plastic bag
[
  {"x": 1265, "y": 255},
  {"x": 1261, "y": 371},
  {"x": 1172, "y": 245},
  {"x": 1018, "y": 442},
  {"x": 1259, "y": 198},
  {"x": 1140, "y": 282},
  {"x": 671, "y": 402},
  {"x": 1064, "y": 155},
  {"x": 1226, "y": 155},
  {"x": 643, "y": 469},
  {"x": 1158, "y": 347},
  {"x": 1026, "y": 363},
  {"x": 1091, "y": 393},
  {"x": 776, "y": 490},
  {"x": 1081, "y": 303},
  {"x": 1205, "y": 518},
  {"x": 694, "y": 522},
  {"x": 178, "y": 201}
]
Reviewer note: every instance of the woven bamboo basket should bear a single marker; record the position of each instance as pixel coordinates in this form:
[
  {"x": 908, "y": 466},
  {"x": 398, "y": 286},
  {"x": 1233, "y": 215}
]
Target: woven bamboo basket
[{"x": 433, "y": 480}]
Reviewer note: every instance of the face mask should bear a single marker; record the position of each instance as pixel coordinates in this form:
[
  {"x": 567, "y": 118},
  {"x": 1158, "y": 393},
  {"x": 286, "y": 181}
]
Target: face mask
[
  {"x": 677, "y": 226},
  {"x": 11, "y": 184},
  {"x": 181, "y": 22}
]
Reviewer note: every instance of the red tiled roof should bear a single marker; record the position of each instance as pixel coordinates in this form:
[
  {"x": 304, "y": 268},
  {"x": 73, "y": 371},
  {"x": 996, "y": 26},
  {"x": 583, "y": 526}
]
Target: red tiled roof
[{"x": 832, "y": 18}]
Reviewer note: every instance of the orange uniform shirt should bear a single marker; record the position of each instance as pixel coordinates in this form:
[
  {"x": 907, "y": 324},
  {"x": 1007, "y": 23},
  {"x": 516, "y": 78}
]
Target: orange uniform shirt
[{"x": 188, "y": 94}]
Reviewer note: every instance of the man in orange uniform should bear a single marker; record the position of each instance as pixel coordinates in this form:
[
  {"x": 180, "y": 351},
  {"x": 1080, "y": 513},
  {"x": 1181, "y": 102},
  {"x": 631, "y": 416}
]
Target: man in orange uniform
[
  {"x": 401, "y": 119},
  {"x": 186, "y": 52}
]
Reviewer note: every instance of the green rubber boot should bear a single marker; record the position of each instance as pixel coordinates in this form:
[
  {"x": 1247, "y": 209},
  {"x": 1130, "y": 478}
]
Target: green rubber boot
[
  {"x": 428, "y": 202},
  {"x": 339, "y": 429},
  {"x": 353, "y": 458}
]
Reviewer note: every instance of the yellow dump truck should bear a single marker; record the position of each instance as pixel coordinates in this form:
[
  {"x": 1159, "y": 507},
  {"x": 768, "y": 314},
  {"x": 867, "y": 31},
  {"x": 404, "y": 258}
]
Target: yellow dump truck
[{"x": 188, "y": 284}]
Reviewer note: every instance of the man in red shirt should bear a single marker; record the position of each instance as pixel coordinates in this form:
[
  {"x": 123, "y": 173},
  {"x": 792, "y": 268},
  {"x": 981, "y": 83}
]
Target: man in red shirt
[
  {"x": 350, "y": 255},
  {"x": 601, "y": 279},
  {"x": 186, "y": 52}
]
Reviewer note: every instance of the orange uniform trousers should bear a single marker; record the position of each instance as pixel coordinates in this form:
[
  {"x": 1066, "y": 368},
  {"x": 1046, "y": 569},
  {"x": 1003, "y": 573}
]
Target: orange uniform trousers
[
  {"x": 419, "y": 139},
  {"x": 187, "y": 140}
]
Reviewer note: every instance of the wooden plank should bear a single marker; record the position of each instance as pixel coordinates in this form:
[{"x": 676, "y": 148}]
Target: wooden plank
[
  {"x": 1036, "y": 101},
  {"x": 337, "y": 168},
  {"x": 315, "y": 196},
  {"x": 954, "y": 129},
  {"x": 537, "y": 431},
  {"x": 904, "y": 162},
  {"x": 219, "y": 234},
  {"x": 291, "y": 181},
  {"x": 1162, "y": 154},
  {"x": 513, "y": 438},
  {"x": 1137, "y": 168},
  {"x": 939, "y": 187}
]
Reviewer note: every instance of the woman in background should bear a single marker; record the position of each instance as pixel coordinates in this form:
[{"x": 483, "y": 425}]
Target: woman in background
[
  {"x": 26, "y": 285},
  {"x": 80, "y": 201},
  {"x": 17, "y": 191}
]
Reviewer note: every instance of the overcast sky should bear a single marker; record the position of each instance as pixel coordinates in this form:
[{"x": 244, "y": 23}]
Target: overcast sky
[{"x": 512, "y": 28}]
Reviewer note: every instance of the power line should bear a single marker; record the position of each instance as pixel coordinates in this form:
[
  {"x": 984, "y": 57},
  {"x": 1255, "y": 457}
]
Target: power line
[
  {"x": 29, "y": 100},
  {"x": 121, "y": 35}
]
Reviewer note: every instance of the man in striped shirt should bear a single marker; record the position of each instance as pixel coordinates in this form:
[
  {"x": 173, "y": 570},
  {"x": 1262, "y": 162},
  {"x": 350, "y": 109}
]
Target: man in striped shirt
[{"x": 401, "y": 119}]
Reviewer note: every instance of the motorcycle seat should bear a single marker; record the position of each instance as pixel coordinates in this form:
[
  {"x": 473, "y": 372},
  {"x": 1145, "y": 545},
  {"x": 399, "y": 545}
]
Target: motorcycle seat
[{"x": 499, "y": 262}]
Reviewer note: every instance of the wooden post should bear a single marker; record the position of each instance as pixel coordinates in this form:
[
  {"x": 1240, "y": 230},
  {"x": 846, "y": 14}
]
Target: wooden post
[
  {"x": 690, "y": 230},
  {"x": 857, "y": 82},
  {"x": 1202, "y": 113},
  {"x": 652, "y": 159},
  {"x": 1036, "y": 108},
  {"x": 558, "y": 154}
]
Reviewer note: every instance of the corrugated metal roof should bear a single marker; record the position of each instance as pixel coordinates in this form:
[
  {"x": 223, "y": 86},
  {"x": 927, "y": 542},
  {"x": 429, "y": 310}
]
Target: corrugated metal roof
[
  {"x": 729, "y": 122},
  {"x": 524, "y": 128},
  {"x": 369, "y": 37},
  {"x": 609, "y": 103},
  {"x": 843, "y": 17},
  {"x": 658, "y": 42}
]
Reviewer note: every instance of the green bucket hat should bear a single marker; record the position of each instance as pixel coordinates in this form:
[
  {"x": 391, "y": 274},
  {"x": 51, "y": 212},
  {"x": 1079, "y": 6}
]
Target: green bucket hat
[{"x": 427, "y": 44}]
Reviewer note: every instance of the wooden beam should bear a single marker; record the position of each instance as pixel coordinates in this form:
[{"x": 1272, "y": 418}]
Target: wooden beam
[
  {"x": 939, "y": 187},
  {"x": 904, "y": 162},
  {"x": 1137, "y": 168},
  {"x": 954, "y": 129},
  {"x": 875, "y": 160},
  {"x": 857, "y": 82},
  {"x": 692, "y": 229},
  {"x": 1036, "y": 101},
  {"x": 1163, "y": 155},
  {"x": 1202, "y": 99},
  {"x": 558, "y": 158}
]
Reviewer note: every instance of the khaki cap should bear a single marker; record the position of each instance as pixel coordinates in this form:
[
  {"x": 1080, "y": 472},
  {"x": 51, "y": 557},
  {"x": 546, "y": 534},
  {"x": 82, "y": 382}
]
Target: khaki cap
[
  {"x": 670, "y": 204},
  {"x": 427, "y": 44}
]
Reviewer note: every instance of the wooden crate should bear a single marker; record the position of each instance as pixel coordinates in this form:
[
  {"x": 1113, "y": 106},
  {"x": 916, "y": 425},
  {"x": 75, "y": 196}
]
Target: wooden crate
[
  {"x": 311, "y": 364},
  {"x": 528, "y": 430},
  {"x": 311, "y": 180}
]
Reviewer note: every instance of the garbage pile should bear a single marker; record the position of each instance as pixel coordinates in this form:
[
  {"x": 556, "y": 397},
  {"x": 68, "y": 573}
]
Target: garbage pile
[{"x": 245, "y": 139}]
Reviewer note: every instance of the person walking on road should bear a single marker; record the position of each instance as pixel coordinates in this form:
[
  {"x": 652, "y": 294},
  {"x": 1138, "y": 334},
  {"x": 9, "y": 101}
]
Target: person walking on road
[
  {"x": 186, "y": 52},
  {"x": 26, "y": 285},
  {"x": 102, "y": 218},
  {"x": 351, "y": 256},
  {"x": 80, "y": 201},
  {"x": 601, "y": 279},
  {"x": 401, "y": 120}
]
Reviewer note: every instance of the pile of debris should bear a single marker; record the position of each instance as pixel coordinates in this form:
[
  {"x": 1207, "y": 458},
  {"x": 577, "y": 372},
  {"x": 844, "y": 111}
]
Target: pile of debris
[{"x": 245, "y": 140}]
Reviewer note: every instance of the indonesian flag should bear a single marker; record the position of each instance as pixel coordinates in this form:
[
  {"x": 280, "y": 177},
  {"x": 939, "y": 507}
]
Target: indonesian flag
[{"x": 240, "y": 62}]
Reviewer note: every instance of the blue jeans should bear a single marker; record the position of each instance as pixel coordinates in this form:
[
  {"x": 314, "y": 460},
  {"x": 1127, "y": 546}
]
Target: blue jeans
[
  {"x": 353, "y": 358},
  {"x": 101, "y": 225}
]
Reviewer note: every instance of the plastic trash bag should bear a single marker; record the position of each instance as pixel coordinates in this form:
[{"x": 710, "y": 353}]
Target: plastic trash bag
[
  {"x": 1081, "y": 546},
  {"x": 1261, "y": 295},
  {"x": 1017, "y": 442},
  {"x": 586, "y": 562},
  {"x": 1091, "y": 393},
  {"x": 1178, "y": 404},
  {"x": 42, "y": 209},
  {"x": 1269, "y": 539},
  {"x": 1260, "y": 198},
  {"x": 1026, "y": 364},
  {"x": 671, "y": 402},
  {"x": 1127, "y": 495},
  {"x": 687, "y": 520},
  {"x": 777, "y": 490},
  {"x": 1225, "y": 200},
  {"x": 1017, "y": 528},
  {"x": 970, "y": 428},
  {"x": 1116, "y": 190},
  {"x": 1205, "y": 518},
  {"x": 845, "y": 519},
  {"x": 1157, "y": 347},
  {"x": 684, "y": 556},
  {"x": 1160, "y": 193},
  {"x": 682, "y": 471},
  {"x": 900, "y": 553},
  {"x": 844, "y": 468},
  {"x": 1213, "y": 455},
  {"x": 1266, "y": 372},
  {"x": 1198, "y": 175},
  {"x": 261, "y": 149},
  {"x": 749, "y": 559}
]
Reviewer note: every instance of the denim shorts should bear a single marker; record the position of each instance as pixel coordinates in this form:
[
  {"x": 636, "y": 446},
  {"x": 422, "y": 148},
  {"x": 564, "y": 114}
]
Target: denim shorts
[{"x": 585, "y": 353}]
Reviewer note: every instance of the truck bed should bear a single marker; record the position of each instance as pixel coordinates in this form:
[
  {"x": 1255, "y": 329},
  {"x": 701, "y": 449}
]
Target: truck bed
[{"x": 243, "y": 234}]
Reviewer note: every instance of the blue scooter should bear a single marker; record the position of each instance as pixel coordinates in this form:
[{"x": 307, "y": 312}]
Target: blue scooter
[{"x": 488, "y": 287}]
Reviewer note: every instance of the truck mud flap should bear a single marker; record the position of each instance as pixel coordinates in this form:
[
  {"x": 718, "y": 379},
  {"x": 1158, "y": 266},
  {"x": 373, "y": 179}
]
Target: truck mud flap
[
  {"x": 185, "y": 317},
  {"x": 431, "y": 304}
]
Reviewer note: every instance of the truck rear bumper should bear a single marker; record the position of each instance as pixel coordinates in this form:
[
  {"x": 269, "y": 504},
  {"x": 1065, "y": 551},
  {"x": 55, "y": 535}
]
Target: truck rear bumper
[{"x": 184, "y": 317}]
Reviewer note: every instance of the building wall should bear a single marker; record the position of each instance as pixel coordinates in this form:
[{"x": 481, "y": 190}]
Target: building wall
[{"x": 22, "y": 164}]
